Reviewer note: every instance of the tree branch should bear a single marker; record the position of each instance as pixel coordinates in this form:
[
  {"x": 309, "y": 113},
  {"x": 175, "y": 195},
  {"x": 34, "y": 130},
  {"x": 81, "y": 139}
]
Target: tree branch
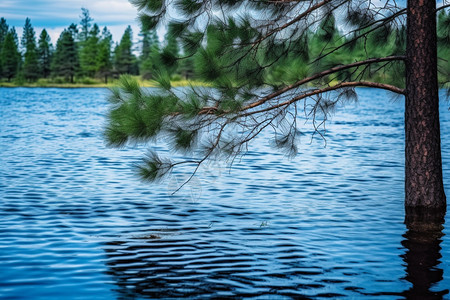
[
  {"x": 383, "y": 86},
  {"x": 322, "y": 74},
  {"x": 442, "y": 7},
  {"x": 211, "y": 110},
  {"x": 293, "y": 21}
]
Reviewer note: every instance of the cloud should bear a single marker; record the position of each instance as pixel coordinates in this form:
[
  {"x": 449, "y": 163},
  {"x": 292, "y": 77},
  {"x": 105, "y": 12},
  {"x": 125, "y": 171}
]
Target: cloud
[
  {"x": 55, "y": 15},
  {"x": 63, "y": 13}
]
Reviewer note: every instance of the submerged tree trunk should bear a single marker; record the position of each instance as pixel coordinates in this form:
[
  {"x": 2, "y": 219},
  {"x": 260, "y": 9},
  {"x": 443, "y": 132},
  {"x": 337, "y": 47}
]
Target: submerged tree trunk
[{"x": 424, "y": 190}]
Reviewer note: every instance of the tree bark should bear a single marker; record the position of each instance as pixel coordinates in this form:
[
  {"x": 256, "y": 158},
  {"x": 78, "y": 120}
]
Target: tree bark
[{"x": 424, "y": 189}]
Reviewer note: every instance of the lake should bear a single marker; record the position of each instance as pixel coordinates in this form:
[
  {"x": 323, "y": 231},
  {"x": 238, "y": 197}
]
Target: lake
[{"x": 76, "y": 222}]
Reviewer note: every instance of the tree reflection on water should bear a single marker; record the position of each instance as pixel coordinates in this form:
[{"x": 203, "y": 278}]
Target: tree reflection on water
[
  {"x": 423, "y": 255},
  {"x": 155, "y": 266}
]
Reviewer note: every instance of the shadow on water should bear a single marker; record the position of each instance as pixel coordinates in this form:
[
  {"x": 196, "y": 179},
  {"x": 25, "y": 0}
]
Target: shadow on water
[
  {"x": 165, "y": 264},
  {"x": 423, "y": 254},
  {"x": 146, "y": 269},
  {"x": 155, "y": 267}
]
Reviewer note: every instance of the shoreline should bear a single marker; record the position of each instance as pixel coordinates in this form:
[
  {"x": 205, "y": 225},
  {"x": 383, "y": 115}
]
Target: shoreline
[{"x": 146, "y": 84}]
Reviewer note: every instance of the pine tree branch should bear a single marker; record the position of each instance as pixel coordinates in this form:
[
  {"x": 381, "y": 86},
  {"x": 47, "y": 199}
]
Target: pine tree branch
[
  {"x": 442, "y": 7},
  {"x": 293, "y": 21},
  {"x": 314, "y": 92},
  {"x": 363, "y": 35},
  {"x": 323, "y": 74},
  {"x": 211, "y": 110}
]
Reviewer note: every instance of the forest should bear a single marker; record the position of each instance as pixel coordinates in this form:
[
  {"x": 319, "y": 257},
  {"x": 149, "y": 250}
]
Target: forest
[{"x": 86, "y": 54}]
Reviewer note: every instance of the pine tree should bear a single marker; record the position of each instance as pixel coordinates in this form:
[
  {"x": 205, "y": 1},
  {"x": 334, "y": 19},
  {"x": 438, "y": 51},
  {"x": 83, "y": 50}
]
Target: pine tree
[
  {"x": 85, "y": 24},
  {"x": 10, "y": 55},
  {"x": 171, "y": 52},
  {"x": 3, "y": 30},
  {"x": 104, "y": 62},
  {"x": 31, "y": 64},
  {"x": 89, "y": 52},
  {"x": 149, "y": 41},
  {"x": 45, "y": 53},
  {"x": 125, "y": 61},
  {"x": 65, "y": 62},
  {"x": 149, "y": 53},
  {"x": 73, "y": 29},
  {"x": 248, "y": 40}
]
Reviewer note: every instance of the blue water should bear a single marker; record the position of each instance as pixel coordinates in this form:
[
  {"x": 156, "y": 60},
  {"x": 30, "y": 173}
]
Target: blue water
[{"x": 76, "y": 223}]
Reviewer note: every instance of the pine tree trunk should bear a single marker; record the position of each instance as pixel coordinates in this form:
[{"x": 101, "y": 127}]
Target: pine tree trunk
[{"x": 424, "y": 191}]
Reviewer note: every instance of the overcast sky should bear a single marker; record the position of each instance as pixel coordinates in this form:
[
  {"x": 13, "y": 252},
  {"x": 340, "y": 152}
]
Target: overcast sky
[{"x": 55, "y": 15}]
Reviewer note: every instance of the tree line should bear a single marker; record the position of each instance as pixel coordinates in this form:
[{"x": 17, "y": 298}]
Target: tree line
[{"x": 84, "y": 51}]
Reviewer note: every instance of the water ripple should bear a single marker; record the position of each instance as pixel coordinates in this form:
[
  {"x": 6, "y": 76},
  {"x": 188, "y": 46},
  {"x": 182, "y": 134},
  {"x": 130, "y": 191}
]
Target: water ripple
[{"x": 326, "y": 224}]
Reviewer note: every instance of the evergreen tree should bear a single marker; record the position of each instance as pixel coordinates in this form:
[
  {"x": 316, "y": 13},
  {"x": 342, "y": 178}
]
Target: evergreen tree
[
  {"x": 73, "y": 29},
  {"x": 149, "y": 53},
  {"x": 89, "y": 52},
  {"x": 10, "y": 55},
  {"x": 125, "y": 61},
  {"x": 171, "y": 52},
  {"x": 145, "y": 51},
  {"x": 3, "y": 30},
  {"x": 45, "y": 53},
  {"x": 30, "y": 64},
  {"x": 104, "y": 63},
  {"x": 85, "y": 24},
  {"x": 65, "y": 62},
  {"x": 149, "y": 41},
  {"x": 186, "y": 68},
  {"x": 238, "y": 58}
]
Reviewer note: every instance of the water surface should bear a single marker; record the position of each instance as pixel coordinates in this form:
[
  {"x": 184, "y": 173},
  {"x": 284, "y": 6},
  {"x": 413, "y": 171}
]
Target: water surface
[{"x": 75, "y": 222}]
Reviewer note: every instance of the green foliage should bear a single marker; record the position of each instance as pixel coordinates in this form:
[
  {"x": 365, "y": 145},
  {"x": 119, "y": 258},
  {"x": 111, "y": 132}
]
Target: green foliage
[
  {"x": 154, "y": 168},
  {"x": 136, "y": 115},
  {"x": 184, "y": 139},
  {"x": 170, "y": 53},
  {"x": 44, "y": 53},
  {"x": 162, "y": 77},
  {"x": 192, "y": 106},
  {"x": 444, "y": 28},
  {"x": 65, "y": 62},
  {"x": 90, "y": 51},
  {"x": 191, "y": 42},
  {"x": 149, "y": 22},
  {"x": 327, "y": 29},
  {"x": 10, "y": 55},
  {"x": 3, "y": 30},
  {"x": 31, "y": 63},
  {"x": 189, "y": 7},
  {"x": 124, "y": 60},
  {"x": 153, "y": 6},
  {"x": 103, "y": 61},
  {"x": 85, "y": 24},
  {"x": 444, "y": 49}
]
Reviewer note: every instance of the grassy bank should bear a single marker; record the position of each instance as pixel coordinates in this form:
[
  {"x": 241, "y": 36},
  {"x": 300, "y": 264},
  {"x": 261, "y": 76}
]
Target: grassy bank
[{"x": 90, "y": 83}]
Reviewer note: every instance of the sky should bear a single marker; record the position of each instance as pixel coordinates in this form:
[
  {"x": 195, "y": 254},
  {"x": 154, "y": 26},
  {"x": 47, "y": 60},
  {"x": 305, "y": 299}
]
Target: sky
[{"x": 55, "y": 15}]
